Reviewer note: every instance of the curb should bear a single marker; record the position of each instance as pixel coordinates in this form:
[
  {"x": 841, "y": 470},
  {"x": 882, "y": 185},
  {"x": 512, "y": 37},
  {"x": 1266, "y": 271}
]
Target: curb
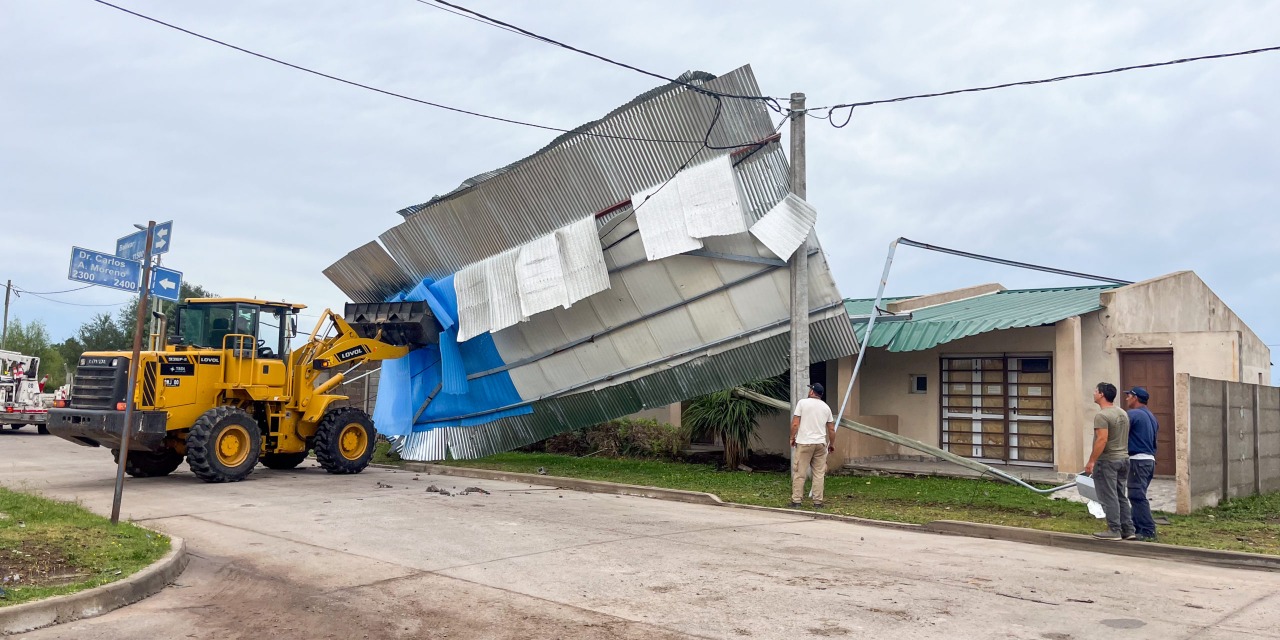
[
  {"x": 98, "y": 600},
  {"x": 822, "y": 515},
  {"x": 1074, "y": 541},
  {"x": 1154, "y": 551},
  {"x": 590, "y": 486}
]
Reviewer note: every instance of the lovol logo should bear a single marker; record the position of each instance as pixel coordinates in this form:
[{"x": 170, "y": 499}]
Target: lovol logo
[
  {"x": 353, "y": 352},
  {"x": 95, "y": 362},
  {"x": 210, "y": 359}
]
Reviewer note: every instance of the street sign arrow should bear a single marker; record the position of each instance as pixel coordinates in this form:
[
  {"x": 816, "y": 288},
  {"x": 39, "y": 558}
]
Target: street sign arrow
[
  {"x": 166, "y": 284},
  {"x": 134, "y": 245}
]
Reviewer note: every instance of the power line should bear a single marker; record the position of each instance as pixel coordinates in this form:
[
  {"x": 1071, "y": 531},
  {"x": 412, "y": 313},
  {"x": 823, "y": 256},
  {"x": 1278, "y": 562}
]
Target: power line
[
  {"x": 392, "y": 93},
  {"x": 77, "y": 304},
  {"x": 463, "y": 15},
  {"x": 853, "y": 105},
  {"x": 49, "y": 293},
  {"x": 771, "y": 102}
]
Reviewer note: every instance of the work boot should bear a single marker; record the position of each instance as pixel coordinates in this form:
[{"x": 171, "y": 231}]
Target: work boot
[
  {"x": 795, "y": 505},
  {"x": 1108, "y": 535}
]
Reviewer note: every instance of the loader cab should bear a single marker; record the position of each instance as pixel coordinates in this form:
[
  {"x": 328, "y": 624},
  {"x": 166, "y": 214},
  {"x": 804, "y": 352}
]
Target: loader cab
[{"x": 205, "y": 323}]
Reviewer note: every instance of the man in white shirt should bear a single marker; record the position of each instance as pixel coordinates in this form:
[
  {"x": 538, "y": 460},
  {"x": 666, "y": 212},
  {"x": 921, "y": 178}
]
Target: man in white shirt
[{"x": 813, "y": 436}]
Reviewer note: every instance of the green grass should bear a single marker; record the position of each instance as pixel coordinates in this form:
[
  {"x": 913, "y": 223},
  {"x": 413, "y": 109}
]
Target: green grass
[
  {"x": 80, "y": 545},
  {"x": 1248, "y": 524}
]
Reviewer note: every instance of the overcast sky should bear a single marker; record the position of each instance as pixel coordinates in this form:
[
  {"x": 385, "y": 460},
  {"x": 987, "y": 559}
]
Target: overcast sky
[{"x": 270, "y": 174}]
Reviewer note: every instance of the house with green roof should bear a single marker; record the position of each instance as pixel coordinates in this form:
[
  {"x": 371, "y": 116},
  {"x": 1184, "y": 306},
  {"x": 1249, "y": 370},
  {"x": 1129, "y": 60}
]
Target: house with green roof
[{"x": 1006, "y": 376}]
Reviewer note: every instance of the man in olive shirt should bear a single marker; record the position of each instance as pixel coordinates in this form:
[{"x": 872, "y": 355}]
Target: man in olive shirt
[{"x": 1109, "y": 463}]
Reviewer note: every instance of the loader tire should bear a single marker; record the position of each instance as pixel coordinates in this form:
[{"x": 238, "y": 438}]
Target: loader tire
[
  {"x": 345, "y": 440},
  {"x": 144, "y": 464},
  {"x": 282, "y": 461},
  {"x": 224, "y": 445}
]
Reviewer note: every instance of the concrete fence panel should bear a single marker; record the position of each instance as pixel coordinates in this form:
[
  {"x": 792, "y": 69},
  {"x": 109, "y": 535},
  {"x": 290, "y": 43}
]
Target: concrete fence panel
[{"x": 1231, "y": 435}]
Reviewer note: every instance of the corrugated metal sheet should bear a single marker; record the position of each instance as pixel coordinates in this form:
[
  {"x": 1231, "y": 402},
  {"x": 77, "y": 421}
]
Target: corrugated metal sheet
[
  {"x": 368, "y": 274},
  {"x": 664, "y": 330},
  {"x": 939, "y": 324},
  {"x": 575, "y": 177},
  {"x": 786, "y": 226},
  {"x": 829, "y": 340}
]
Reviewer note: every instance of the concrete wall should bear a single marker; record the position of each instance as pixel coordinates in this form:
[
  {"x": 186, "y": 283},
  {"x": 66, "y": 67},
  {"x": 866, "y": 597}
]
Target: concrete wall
[
  {"x": 883, "y": 388},
  {"x": 1177, "y": 312},
  {"x": 1181, "y": 312},
  {"x": 1071, "y": 402},
  {"x": 1228, "y": 440}
]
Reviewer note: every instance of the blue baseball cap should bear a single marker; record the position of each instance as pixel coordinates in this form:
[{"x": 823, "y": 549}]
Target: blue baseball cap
[
  {"x": 1139, "y": 393},
  {"x": 817, "y": 388}
]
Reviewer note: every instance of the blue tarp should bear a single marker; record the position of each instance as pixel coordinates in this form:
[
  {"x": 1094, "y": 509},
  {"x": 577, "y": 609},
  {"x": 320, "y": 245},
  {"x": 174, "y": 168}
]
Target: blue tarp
[{"x": 406, "y": 382}]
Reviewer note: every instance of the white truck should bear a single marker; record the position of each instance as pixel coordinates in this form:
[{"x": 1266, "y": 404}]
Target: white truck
[{"x": 22, "y": 401}]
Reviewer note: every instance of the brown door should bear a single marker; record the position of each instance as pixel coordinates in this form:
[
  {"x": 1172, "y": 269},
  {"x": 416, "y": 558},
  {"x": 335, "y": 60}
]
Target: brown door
[{"x": 1154, "y": 371}]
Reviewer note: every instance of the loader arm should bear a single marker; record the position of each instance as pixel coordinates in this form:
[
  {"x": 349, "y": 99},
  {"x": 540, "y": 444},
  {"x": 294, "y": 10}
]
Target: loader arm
[{"x": 371, "y": 331}]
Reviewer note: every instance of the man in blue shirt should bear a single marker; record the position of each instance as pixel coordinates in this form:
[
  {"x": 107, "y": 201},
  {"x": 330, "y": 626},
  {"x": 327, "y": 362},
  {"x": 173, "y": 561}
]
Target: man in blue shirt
[{"x": 1142, "y": 460}]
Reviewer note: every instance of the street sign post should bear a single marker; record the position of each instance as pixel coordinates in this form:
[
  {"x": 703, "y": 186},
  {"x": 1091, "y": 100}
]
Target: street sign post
[
  {"x": 134, "y": 245},
  {"x": 166, "y": 283},
  {"x": 104, "y": 269}
]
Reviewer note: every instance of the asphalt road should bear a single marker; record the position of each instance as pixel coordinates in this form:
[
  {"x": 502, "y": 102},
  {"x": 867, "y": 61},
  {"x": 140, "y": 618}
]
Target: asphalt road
[{"x": 303, "y": 554}]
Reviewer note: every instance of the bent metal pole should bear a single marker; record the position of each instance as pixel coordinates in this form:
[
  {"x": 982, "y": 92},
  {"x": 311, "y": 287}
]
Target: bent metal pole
[
  {"x": 143, "y": 288},
  {"x": 967, "y": 463}
]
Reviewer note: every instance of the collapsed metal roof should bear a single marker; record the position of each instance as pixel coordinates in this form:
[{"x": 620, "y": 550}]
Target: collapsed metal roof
[
  {"x": 942, "y": 323},
  {"x": 664, "y": 330}
]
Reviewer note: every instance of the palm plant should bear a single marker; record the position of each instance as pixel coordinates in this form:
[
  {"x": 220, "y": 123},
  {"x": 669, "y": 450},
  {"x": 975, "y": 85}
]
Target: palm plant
[{"x": 730, "y": 419}]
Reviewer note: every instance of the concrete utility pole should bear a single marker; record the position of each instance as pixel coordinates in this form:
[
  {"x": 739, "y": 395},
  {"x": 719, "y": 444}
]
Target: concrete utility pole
[
  {"x": 125, "y": 433},
  {"x": 799, "y": 264},
  {"x": 4, "y": 333}
]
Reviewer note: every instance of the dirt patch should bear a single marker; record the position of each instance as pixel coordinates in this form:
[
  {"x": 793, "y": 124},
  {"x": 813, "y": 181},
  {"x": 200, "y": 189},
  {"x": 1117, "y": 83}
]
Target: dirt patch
[{"x": 36, "y": 565}]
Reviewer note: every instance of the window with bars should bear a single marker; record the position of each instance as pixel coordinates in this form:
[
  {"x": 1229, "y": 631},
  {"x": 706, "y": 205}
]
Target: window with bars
[{"x": 998, "y": 407}]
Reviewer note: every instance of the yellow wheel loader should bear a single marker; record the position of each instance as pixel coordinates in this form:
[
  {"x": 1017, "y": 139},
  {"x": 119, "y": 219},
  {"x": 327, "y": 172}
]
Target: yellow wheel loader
[{"x": 228, "y": 392}]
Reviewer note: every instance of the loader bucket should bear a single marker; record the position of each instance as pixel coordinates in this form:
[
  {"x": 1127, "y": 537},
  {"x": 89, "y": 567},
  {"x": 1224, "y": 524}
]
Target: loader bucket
[{"x": 401, "y": 323}]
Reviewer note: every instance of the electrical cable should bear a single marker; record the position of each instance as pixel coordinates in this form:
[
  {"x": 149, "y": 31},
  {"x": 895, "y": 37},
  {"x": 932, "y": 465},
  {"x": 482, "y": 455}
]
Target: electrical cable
[
  {"x": 772, "y": 102},
  {"x": 473, "y": 18},
  {"x": 49, "y": 293},
  {"x": 853, "y": 105},
  {"x": 77, "y": 304},
  {"x": 394, "y": 94}
]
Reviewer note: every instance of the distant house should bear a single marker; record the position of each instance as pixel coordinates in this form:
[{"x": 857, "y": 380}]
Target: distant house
[{"x": 1006, "y": 376}]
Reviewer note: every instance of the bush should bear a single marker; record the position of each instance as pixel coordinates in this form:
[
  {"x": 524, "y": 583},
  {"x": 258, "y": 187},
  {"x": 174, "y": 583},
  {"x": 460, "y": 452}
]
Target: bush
[{"x": 623, "y": 438}]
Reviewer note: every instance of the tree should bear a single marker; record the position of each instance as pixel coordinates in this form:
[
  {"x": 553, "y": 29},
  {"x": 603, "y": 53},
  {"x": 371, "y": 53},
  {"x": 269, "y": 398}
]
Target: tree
[
  {"x": 100, "y": 333},
  {"x": 731, "y": 419},
  {"x": 128, "y": 314},
  {"x": 104, "y": 333},
  {"x": 32, "y": 339}
]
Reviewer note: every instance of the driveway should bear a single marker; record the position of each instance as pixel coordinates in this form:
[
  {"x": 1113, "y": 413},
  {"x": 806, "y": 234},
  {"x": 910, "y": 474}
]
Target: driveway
[{"x": 303, "y": 554}]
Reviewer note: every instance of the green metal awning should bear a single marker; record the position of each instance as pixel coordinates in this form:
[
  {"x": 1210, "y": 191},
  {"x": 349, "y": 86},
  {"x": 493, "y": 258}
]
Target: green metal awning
[{"x": 932, "y": 326}]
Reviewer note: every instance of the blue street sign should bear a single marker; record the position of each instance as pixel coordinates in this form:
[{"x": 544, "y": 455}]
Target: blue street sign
[
  {"x": 166, "y": 283},
  {"x": 134, "y": 245},
  {"x": 104, "y": 269}
]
